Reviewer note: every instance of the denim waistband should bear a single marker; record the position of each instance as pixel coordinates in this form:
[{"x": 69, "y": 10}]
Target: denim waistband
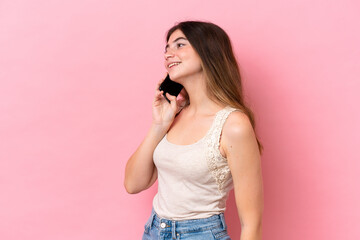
[{"x": 186, "y": 226}]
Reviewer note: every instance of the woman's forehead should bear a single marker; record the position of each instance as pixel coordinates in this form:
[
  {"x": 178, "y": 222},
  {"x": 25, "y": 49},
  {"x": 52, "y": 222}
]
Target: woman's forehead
[{"x": 177, "y": 33}]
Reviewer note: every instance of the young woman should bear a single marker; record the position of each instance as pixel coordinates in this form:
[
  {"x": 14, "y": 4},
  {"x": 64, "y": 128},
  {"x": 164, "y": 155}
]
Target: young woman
[{"x": 201, "y": 144}]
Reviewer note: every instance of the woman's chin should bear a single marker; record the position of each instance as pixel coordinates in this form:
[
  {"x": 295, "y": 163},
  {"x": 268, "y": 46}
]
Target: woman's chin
[{"x": 174, "y": 77}]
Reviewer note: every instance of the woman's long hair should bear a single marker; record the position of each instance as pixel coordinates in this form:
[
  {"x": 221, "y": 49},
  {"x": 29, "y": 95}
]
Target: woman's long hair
[{"x": 223, "y": 81}]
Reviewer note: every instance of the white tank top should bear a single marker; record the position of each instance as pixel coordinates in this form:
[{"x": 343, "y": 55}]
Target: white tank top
[{"x": 193, "y": 180}]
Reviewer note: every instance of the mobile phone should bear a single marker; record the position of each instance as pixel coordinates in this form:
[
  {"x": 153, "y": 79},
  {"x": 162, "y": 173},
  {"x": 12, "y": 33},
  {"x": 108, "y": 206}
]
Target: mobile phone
[{"x": 171, "y": 87}]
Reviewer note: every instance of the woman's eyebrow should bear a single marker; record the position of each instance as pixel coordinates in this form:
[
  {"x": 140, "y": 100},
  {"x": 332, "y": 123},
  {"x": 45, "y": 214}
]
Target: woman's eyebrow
[{"x": 179, "y": 38}]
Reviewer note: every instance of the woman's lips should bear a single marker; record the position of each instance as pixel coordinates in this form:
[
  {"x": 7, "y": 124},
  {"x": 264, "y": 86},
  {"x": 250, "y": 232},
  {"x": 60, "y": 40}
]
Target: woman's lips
[{"x": 171, "y": 65}]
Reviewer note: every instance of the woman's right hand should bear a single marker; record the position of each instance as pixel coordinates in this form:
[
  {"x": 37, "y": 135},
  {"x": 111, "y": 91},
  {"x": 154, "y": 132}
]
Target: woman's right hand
[{"x": 164, "y": 112}]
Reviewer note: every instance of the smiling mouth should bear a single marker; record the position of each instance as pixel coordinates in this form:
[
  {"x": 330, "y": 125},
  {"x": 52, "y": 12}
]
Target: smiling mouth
[{"x": 173, "y": 64}]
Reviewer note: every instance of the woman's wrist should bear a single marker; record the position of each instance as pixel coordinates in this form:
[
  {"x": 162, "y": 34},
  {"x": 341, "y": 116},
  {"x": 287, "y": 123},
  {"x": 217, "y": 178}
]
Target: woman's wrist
[{"x": 159, "y": 128}]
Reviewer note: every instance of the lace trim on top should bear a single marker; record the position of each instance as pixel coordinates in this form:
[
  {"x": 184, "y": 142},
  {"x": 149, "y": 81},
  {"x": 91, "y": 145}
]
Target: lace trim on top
[{"x": 217, "y": 164}]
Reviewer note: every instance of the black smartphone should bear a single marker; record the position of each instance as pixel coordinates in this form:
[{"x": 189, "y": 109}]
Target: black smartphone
[{"x": 171, "y": 87}]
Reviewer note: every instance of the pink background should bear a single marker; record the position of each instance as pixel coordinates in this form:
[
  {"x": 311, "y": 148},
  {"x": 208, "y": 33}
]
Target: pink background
[{"x": 77, "y": 81}]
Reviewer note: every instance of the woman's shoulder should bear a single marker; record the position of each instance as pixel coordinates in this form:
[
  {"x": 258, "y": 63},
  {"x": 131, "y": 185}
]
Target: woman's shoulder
[{"x": 237, "y": 126}]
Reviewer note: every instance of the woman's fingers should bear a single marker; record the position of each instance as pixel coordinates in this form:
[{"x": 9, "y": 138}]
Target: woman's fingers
[
  {"x": 158, "y": 95},
  {"x": 172, "y": 100},
  {"x": 170, "y": 97}
]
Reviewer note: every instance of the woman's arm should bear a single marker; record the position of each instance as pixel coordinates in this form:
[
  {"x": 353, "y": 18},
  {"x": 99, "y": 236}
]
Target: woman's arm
[
  {"x": 241, "y": 149},
  {"x": 140, "y": 171}
]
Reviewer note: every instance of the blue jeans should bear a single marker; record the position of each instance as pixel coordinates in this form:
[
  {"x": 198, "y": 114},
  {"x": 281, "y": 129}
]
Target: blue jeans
[{"x": 213, "y": 227}]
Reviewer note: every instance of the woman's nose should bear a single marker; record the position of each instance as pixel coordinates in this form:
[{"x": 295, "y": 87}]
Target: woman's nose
[{"x": 169, "y": 53}]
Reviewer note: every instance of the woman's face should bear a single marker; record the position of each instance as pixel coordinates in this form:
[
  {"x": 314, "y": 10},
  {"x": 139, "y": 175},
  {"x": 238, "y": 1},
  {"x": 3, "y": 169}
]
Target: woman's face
[{"x": 181, "y": 60}]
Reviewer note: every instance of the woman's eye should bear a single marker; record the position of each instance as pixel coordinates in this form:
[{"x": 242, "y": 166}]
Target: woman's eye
[{"x": 178, "y": 45}]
